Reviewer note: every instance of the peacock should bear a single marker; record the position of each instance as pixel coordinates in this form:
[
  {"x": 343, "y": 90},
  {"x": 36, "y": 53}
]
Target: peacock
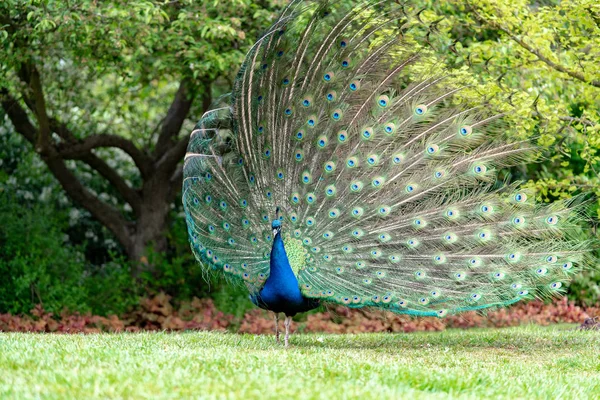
[{"x": 348, "y": 167}]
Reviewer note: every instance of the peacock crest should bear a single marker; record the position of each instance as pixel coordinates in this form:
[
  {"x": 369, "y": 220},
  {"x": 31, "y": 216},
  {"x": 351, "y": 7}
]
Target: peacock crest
[{"x": 383, "y": 171}]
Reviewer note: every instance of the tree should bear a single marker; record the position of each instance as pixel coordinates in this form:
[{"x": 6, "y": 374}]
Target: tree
[{"x": 86, "y": 82}]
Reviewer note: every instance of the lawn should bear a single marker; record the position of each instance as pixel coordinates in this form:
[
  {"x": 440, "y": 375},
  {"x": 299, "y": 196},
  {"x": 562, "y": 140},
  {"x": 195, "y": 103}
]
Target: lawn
[{"x": 526, "y": 362}]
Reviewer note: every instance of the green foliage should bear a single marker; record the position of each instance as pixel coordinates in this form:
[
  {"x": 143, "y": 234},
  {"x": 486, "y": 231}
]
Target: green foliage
[{"x": 37, "y": 266}]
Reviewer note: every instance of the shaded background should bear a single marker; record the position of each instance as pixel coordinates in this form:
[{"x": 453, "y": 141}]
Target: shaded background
[{"x": 97, "y": 100}]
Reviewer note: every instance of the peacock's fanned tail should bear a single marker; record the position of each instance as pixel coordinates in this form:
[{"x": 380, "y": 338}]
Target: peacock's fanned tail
[{"x": 384, "y": 174}]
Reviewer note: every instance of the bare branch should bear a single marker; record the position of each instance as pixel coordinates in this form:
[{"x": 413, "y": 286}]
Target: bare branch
[
  {"x": 83, "y": 147},
  {"x": 176, "y": 115},
  {"x": 106, "y": 214}
]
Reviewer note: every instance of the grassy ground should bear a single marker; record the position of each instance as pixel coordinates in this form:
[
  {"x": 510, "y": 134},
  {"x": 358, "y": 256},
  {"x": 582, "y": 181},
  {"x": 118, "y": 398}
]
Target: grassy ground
[{"x": 527, "y": 362}]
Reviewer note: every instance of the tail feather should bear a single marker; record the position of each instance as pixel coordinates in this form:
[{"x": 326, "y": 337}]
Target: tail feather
[{"x": 384, "y": 174}]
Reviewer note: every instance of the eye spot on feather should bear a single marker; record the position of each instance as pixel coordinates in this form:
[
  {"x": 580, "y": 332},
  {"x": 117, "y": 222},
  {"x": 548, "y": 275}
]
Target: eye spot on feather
[
  {"x": 334, "y": 213},
  {"x": 499, "y": 275},
  {"x": 475, "y": 297},
  {"x": 331, "y": 96},
  {"x": 343, "y": 43},
  {"x": 389, "y": 128},
  {"x": 288, "y": 112},
  {"x": 397, "y": 159},
  {"x": 345, "y": 63},
  {"x": 285, "y": 81},
  {"x": 394, "y": 258},
  {"x": 322, "y": 141},
  {"x": 356, "y": 186},
  {"x": 432, "y": 149},
  {"x": 259, "y": 98},
  {"x": 339, "y": 270},
  {"x": 372, "y": 159},
  {"x": 352, "y": 162},
  {"x": 486, "y": 209},
  {"x": 552, "y": 220},
  {"x": 450, "y": 237},
  {"x": 306, "y": 177},
  {"x": 311, "y": 121},
  {"x": 378, "y": 182},
  {"x": 384, "y": 237},
  {"x": 356, "y": 299},
  {"x": 223, "y": 205},
  {"x": 541, "y": 271},
  {"x": 383, "y": 101},
  {"x": 375, "y": 253},
  {"x": 357, "y": 212},
  {"x": 347, "y": 249},
  {"x": 412, "y": 243},
  {"x": 330, "y": 190},
  {"x": 329, "y": 166},
  {"x": 337, "y": 114},
  {"x": 475, "y": 262},
  {"x": 360, "y": 265},
  {"x": 211, "y": 229},
  {"x": 367, "y": 281},
  {"x": 295, "y": 198},
  {"x": 261, "y": 129},
  {"x": 267, "y": 153},
  {"x": 479, "y": 169},
  {"x": 328, "y": 235},
  {"x": 520, "y": 197},
  {"x": 367, "y": 133},
  {"x": 420, "y": 110},
  {"x": 342, "y": 136},
  {"x": 245, "y": 223},
  {"x": 358, "y": 233},
  {"x": 402, "y": 303},
  {"x": 328, "y": 76},
  {"x": 452, "y": 213},
  {"x": 518, "y": 221},
  {"x": 460, "y": 276},
  {"x": 567, "y": 265},
  {"x": 439, "y": 259},
  {"x": 299, "y": 135},
  {"x": 411, "y": 187},
  {"x": 384, "y": 211},
  {"x": 208, "y": 199},
  {"x": 551, "y": 259},
  {"x": 523, "y": 293},
  {"x": 311, "y": 198},
  {"x": 226, "y": 226},
  {"x": 465, "y": 130},
  {"x": 294, "y": 217},
  {"x": 354, "y": 86},
  {"x": 555, "y": 285},
  {"x": 513, "y": 257},
  {"x": 306, "y": 103},
  {"x": 310, "y": 221},
  {"x": 484, "y": 235},
  {"x": 208, "y": 177},
  {"x": 424, "y": 301},
  {"x": 419, "y": 223}
]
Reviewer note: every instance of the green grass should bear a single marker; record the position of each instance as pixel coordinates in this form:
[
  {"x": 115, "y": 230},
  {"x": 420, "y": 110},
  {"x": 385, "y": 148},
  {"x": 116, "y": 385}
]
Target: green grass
[{"x": 527, "y": 362}]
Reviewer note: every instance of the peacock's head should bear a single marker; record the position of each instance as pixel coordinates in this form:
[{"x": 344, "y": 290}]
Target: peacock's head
[{"x": 276, "y": 225}]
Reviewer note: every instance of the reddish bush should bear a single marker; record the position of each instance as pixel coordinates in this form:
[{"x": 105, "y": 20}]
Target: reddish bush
[{"x": 157, "y": 313}]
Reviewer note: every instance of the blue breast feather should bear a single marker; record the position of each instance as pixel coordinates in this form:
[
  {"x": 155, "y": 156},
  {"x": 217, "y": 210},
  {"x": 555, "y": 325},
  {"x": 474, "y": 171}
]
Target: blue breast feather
[{"x": 281, "y": 292}]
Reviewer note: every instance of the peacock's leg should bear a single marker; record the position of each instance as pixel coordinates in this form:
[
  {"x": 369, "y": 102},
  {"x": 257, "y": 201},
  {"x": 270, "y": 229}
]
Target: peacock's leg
[
  {"x": 277, "y": 327},
  {"x": 287, "y": 323}
]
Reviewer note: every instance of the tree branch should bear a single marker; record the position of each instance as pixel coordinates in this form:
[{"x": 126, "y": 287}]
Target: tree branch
[
  {"x": 107, "y": 215},
  {"x": 176, "y": 115},
  {"x": 83, "y": 147},
  {"x": 574, "y": 74}
]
